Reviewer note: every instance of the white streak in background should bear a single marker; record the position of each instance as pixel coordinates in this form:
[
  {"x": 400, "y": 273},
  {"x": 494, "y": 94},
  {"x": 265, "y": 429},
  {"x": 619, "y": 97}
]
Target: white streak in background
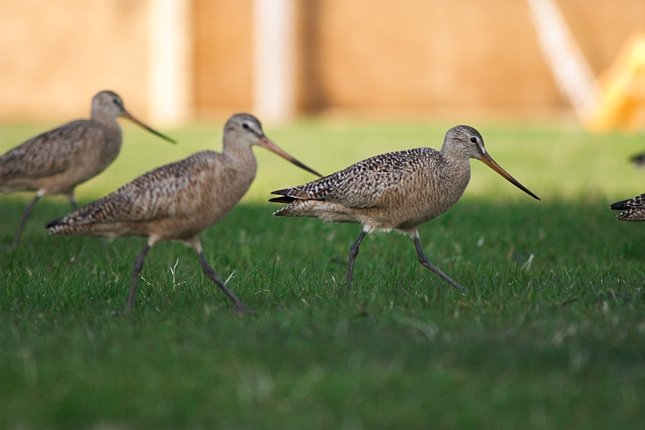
[
  {"x": 568, "y": 65},
  {"x": 274, "y": 59},
  {"x": 170, "y": 67}
]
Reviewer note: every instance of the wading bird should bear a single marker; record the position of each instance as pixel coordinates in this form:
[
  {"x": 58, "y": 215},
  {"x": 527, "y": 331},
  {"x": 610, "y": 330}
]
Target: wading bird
[
  {"x": 58, "y": 160},
  {"x": 638, "y": 159},
  {"x": 394, "y": 191},
  {"x": 179, "y": 200},
  {"x": 634, "y": 209}
]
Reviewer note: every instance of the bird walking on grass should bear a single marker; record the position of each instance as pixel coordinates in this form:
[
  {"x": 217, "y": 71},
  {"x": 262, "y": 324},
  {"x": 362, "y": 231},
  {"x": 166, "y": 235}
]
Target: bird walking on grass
[
  {"x": 638, "y": 159},
  {"x": 395, "y": 191},
  {"x": 633, "y": 209},
  {"x": 58, "y": 160},
  {"x": 179, "y": 200}
]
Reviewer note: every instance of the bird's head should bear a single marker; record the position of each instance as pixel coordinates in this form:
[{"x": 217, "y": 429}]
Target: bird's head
[
  {"x": 245, "y": 129},
  {"x": 468, "y": 142},
  {"x": 109, "y": 105}
]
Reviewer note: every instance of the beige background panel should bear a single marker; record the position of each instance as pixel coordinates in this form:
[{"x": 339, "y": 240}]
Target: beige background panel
[
  {"x": 450, "y": 53},
  {"x": 365, "y": 56},
  {"x": 53, "y": 59},
  {"x": 223, "y": 54}
]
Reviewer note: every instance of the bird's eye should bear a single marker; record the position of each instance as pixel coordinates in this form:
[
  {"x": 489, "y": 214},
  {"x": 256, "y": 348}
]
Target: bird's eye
[
  {"x": 473, "y": 139},
  {"x": 245, "y": 126}
]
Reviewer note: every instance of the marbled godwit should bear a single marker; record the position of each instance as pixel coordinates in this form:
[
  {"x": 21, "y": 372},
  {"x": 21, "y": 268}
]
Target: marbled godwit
[
  {"x": 179, "y": 200},
  {"x": 638, "y": 159},
  {"x": 395, "y": 191},
  {"x": 634, "y": 209},
  {"x": 58, "y": 160}
]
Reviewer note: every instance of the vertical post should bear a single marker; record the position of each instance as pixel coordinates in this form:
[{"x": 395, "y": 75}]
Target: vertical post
[
  {"x": 565, "y": 58},
  {"x": 170, "y": 67},
  {"x": 274, "y": 59}
]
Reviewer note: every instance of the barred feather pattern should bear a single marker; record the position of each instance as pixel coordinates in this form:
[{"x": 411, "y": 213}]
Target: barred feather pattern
[
  {"x": 633, "y": 209},
  {"x": 60, "y": 159},
  {"x": 56, "y": 161},
  {"x": 174, "y": 201},
  {"x": 396, "y": 190}
]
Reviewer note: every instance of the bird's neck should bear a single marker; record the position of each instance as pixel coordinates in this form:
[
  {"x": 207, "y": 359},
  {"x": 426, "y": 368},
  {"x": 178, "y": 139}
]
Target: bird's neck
[
  {"x": 240, "y": 157},
  {"x": 454, "y": 154},
  {"x": 457, "y": 163},
  {"x": 105, "y": 120}
]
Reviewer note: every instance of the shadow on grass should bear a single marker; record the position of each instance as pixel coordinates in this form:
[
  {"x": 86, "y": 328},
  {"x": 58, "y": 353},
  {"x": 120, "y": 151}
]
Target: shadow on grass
[
  {"x": 553, "y": 322},
  {"x": 573, "y": 242},
  {"x": 579, "y": 231}
]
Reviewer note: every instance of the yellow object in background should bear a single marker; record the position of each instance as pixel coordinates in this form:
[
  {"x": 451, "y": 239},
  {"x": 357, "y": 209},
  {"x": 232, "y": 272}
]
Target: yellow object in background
[{"x": 622, "y": 90}]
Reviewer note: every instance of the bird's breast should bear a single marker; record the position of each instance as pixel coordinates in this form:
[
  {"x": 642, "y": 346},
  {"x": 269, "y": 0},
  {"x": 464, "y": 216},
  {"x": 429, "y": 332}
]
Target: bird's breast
[
  {"x": 222, "y": 189},
  {"x": 425, "y": 196}
]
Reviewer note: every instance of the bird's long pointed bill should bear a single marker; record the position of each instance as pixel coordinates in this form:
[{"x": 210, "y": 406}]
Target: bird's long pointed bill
[
  {"x": 266, "y": 143},
  {"x": 147, "y": 127},
  {"x": 488, "y": 160}
]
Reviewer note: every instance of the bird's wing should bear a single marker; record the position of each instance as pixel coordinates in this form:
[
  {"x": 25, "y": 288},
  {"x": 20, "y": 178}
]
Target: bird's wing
[
  {"x": 634, "y": 202},
  {"x": 172, "y": 190},
  {"x": 361, "y": 185},
  {"x": 51, "y": 152}
]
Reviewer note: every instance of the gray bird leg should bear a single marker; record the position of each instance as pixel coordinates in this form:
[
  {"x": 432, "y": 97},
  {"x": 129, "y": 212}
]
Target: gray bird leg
[
  {"x": 426, "y": 263},
  {"x": 210, "y": 273},
  {"x": 353, "y": 252},
  {"x": 138, "y": 265},
  {"x": 72, "y": 201},
  {"x": 23, "y": 221}
]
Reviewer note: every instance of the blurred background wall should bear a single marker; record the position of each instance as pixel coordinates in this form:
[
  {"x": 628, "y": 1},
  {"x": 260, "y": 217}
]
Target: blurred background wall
[{"x": 175, "y": 61}]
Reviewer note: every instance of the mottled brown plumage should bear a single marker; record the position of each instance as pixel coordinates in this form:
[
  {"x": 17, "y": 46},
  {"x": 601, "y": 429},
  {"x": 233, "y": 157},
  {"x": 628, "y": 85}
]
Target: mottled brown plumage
[
  {"x": 394, "y": 191},
  {"x": 633, "y": 209},
  {"x": 179, "y": 200},
  {"x": 58, "y": 160}
]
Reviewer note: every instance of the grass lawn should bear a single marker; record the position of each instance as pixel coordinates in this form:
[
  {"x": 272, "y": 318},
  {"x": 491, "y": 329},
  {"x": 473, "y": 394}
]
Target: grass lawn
[{"x": 551, "y": 334}]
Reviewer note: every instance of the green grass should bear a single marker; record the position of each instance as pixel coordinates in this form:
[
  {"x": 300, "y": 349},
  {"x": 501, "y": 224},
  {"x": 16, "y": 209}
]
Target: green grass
[{"x": 551, "y": 334}]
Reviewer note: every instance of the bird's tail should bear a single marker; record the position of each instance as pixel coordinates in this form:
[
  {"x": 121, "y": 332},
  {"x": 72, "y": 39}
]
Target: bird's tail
[
  {"x": 70, "y": 224},
  {"x": 621, "y": 205},
  {"x": 56, "y": 226},
  {"x": 634, "y": 215},
  {"x": 283, "y": 198},
  {"x": 82, "y": 221},
  {"x": 634, "y": 209},
  {"x": 634, "y": 202},
  {"x": 284, "y": 211}
]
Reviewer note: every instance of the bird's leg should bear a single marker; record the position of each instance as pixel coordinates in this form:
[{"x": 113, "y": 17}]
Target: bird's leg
[
  {"x": 138, "y": 265},
  {"x": 353, "y": 252},
  {"x": 212, "y": 275},
  {"x": 72, "y": 200},
  {"x": 426, "y": 263},
  {"x": 23, "y": 221}
]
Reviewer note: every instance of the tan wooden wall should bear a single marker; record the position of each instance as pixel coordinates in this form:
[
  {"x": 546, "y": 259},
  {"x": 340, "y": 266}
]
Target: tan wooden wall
[
  {"x": 359, "y": 55},
  {"x": 54, "y": 56},
  {"x": 222, "y": 56},
  {"x": 446, "y": 54}
]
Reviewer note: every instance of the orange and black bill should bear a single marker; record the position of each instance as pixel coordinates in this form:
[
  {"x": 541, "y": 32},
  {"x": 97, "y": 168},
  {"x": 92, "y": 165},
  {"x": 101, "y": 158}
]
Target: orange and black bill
[
  {"x": 266, "y": 143},
  {"x": 129, "y": 116},
  {"x": 488, "y": 160}
]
